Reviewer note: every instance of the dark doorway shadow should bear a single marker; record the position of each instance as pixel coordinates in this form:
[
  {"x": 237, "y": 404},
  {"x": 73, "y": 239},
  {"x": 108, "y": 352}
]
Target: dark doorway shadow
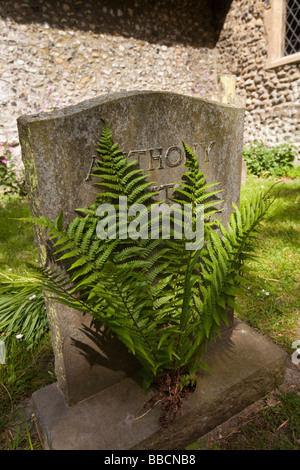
[{"x": 188, "y": 22}]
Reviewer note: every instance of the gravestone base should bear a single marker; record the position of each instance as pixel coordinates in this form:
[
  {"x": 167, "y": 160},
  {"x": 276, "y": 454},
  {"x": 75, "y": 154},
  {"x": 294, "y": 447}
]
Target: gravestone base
[{"x": 244, "y": 365}]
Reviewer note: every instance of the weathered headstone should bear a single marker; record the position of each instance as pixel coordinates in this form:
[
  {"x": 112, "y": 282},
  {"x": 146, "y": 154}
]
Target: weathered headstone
[{"x": 59, "y": 150}]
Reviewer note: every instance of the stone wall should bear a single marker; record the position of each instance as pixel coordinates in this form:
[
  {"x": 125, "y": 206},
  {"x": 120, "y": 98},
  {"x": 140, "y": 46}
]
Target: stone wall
[
  {"x": 271, "y": 95},
  {"x": 54, "y": 54},
  {"x": 57, "y": 53}
]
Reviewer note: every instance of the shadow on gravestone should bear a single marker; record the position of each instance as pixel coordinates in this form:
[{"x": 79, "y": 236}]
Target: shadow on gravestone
[
  {"x": 103, "y": 348},
  {"x": 58, "y": 149}
]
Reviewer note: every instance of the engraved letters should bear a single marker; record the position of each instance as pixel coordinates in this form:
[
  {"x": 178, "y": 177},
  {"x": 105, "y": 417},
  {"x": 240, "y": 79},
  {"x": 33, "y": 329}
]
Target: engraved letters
[
  {"x": 170, "y": 159},
  {"x": 206, "y": 150},
  {"x": 157, "y": 159}
]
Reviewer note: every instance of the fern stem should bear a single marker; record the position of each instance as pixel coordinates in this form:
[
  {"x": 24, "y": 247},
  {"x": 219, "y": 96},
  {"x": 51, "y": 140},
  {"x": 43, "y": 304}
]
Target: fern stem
[
  {"x": 138, "y": 329},
  {"x": 185, "y": 305},
  {"x": 69, "y": 294}
]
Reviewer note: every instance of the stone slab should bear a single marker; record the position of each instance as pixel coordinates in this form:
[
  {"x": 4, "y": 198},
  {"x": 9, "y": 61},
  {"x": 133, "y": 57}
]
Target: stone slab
[{"x": 245, "y": 366}]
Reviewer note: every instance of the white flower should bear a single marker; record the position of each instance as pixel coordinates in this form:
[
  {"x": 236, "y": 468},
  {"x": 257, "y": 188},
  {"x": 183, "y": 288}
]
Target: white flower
[
  {"x": 263, "y": 290},
  {"x": 267, "y": 293},
  {"x": 19, "y": 336},
  {"x": 32, "y": 297}
]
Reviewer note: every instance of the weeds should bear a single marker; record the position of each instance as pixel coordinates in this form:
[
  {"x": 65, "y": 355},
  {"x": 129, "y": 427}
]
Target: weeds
[
  {"x": 11, "y": 183},
  {"x": 276, "y": 161},
  {"x": 25, "y": 371},
  {"x": 29, "y": 365}
]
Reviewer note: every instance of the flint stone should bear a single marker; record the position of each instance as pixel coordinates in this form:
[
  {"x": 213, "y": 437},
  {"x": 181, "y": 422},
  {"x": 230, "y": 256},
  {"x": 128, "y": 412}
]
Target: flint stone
[{"x": 57, "y": 150}]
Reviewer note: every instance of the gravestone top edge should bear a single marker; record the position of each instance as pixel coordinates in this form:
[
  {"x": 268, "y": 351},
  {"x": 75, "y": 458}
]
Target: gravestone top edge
[{"x": 110, "y": 97}]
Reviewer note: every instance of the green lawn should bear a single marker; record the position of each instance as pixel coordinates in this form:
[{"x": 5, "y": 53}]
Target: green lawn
[
  {"x": 273, "y": 304},
  {"x": 27, "y": 368},
  {"x": 16, "y": 237}
]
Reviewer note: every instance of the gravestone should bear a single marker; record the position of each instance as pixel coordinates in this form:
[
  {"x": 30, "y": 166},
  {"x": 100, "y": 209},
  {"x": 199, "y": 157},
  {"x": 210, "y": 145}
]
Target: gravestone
[
  {"x": 59, "y": 151},
  {"x": 94, "y": 369}
]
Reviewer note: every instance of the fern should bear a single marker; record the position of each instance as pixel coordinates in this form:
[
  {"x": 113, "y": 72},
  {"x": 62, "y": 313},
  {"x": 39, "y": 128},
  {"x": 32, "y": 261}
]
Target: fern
[{"x": 164, "y": 302}]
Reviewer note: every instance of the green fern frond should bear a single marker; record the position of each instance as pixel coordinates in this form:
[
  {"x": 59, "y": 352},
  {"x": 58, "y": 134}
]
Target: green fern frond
[{"x": 163, "y": 301}]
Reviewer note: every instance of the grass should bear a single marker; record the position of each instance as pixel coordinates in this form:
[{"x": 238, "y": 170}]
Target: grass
[
  {"x": 16, "y": 238},
  {"x": 272, "y": 308},
  {"x": 272, "y": 305},
  {"x": 28, "y": 366},
  {"x": 26, "y": 370},
  {"x": 275, "y": 425},
  {"x": 275, "y": 315}
]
